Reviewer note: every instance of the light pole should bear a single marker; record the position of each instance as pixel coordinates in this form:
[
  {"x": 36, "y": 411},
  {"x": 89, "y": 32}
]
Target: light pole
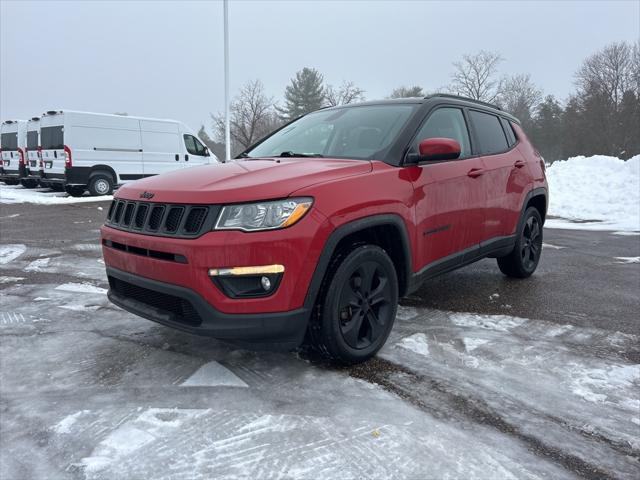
[{"x": 227, "y": 132}]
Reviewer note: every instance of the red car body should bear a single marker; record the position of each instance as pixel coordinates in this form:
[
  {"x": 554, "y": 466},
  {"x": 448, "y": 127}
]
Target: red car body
[{"x": 442, "y": 215}]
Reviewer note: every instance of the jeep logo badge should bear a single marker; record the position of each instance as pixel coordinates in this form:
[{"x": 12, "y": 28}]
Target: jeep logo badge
[{"x": 147, "y": 195}]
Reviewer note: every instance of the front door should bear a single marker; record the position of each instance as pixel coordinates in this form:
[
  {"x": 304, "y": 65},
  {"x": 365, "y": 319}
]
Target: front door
[{"x": 449, "y": 195}]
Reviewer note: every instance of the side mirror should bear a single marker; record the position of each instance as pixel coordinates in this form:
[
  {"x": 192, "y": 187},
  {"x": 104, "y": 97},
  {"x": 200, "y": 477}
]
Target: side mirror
[
  {"x": 433, "y": 149},
  {"x": 206, "y": 152}
]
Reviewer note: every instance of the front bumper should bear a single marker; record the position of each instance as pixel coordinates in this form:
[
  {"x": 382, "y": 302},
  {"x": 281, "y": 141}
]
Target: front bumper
[{"x": 185, "y": 310}]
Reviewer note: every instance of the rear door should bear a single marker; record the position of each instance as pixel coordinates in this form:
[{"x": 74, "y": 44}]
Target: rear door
[
  {"x": 32, "y": 150},
  {"x": 9, "y": 145},
  {"x": 52, "y": 141},
  {"x": 505, "y": 176},
  {"x": 449, "y": 197}
]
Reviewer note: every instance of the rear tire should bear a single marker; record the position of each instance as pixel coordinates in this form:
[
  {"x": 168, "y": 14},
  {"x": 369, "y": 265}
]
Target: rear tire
[
  {"x": 524, "y": 258},
  {"x": 58, "y": 187},
  {"x": 11, "y": 181},
  {"x": 28, "y": 183},
  {"x": 100, "y": 184},
  {"x": 74, "y": 191},
  {"x": 356, "y": 307}
]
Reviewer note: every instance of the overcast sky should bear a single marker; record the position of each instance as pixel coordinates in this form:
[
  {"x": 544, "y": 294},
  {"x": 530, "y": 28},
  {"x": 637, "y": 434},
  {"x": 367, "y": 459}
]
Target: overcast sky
[{"x": 165, "y": 58}]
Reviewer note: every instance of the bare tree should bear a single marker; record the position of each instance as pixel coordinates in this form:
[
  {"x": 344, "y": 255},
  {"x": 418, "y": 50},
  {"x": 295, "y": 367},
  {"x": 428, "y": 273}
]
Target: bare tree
[
  {"x": 406, "y": 92},
  {"x": 252, "y": 117},
  {"x": 475, "y": 76},
  {"x": 343, "y": 95},
  {"x": 519, "y": 96},
  {"x": 610, "y": 72}
]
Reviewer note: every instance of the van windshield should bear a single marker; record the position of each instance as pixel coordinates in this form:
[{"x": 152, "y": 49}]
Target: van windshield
[
  {"x": 359, "y": 132},
  {"x": 9, "y": 141},
  {"x": 52, "y": 138},
  {"x": 32, "y": 140}
]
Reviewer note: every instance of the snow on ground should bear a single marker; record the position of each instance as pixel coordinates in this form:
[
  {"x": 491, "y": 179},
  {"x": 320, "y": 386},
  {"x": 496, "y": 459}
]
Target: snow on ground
[
  {"x": 9, "y": 253},
  {"x": 45, "y": 196},
  {"x": 595, "y": 193},
  {"x": 551, "y": 380}
]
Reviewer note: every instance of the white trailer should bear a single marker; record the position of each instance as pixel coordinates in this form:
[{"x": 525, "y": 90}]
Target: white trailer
[
  {"x": 98, "y": 151},
  {"x": 13, "y": 141}
]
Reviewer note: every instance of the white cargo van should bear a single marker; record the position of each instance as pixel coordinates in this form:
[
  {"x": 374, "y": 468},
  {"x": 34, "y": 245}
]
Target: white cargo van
[
  {"x": 98, "y": 151},
  {"x": 33, "y": 164},
  {"x": 13, "y": 140}
]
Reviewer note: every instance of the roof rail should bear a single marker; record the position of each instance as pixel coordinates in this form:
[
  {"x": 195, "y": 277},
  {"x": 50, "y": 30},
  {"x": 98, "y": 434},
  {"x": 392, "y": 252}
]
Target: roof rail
[{"x": 466, "y": 99}]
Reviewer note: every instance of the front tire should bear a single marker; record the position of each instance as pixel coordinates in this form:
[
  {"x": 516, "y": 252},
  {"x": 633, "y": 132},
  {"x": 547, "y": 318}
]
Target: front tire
[
  {"x": 524, "y": 259},
  {"x": 357, "y": 306},
  {"x": 100, "y": 184}
]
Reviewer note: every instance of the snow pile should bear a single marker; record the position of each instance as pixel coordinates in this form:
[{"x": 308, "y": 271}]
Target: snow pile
[
  {"x": 43, "y": 196},
  {"x": 596, "y": 193}
]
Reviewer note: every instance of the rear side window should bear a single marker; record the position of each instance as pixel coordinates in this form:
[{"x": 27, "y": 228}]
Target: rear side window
[
  {"x": 508, "y": 129},
  {"x": 490, "y": 135},
  {"x": 9, "y": 141},
  {"x": 32, "y": 140},
  {"x": 194, "y": 147},
  {"x": 446, "y": 123},
  {"x": 52, "y": 138}
]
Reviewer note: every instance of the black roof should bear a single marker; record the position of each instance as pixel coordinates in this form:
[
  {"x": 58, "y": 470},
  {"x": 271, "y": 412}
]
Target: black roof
[{"x": 469, "y": 102}]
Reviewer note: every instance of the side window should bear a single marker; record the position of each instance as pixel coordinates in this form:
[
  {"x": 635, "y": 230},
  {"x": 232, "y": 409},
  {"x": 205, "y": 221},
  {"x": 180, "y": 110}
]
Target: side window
[
  {"x": 194, "y": 147},
  {"x": 508, "y": 129},
  {"x": 490, "y": 135},
  {"x": 448, "y": 123}
]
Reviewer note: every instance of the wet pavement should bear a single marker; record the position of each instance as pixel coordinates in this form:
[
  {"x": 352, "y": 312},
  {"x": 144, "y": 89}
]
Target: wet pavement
[{"x": 482, "y": 377}]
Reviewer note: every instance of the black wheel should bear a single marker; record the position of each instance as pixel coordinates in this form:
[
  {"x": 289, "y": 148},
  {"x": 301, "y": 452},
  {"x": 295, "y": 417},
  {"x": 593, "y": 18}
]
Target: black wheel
[
  {"x": 29, "y": 183},
  {"x": 357, "y": 306},
  {"x": 58, "y": 187},
  {"x": 11, "y": 181},
  {"x": 74, "y": 190},
  {"x": 101, "y": 184},
  {"x": 524, "y": 258}
]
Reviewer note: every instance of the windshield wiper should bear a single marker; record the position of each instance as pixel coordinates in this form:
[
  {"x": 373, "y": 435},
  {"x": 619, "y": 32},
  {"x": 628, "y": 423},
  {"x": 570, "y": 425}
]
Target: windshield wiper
[{"x": 290, "y": 154}]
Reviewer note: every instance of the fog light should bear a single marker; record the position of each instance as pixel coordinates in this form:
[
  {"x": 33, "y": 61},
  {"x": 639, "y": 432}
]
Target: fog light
[{"x": 266, "y": 283}]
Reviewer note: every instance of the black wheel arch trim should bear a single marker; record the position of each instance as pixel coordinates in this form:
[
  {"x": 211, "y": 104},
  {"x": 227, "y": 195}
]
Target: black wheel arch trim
[{"x": 350, "y": 228}]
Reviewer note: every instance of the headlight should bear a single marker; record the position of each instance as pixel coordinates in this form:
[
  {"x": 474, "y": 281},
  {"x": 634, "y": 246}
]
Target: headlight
[{"x": 263, "y": 215}]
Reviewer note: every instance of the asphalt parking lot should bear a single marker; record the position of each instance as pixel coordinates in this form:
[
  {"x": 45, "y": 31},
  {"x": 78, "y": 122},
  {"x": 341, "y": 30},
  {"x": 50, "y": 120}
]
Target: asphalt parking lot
[{"x": 482, "y": 377}]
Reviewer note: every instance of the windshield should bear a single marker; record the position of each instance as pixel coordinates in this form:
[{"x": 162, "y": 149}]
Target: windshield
[{"x": 351, "y": 132}]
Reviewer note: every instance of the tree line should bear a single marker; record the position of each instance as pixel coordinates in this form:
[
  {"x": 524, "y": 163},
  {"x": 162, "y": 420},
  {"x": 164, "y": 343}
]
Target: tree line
[{"x": 601, "y": 116}]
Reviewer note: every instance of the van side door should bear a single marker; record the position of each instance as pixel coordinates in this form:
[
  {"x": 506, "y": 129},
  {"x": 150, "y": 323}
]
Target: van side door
[
  {"x": 162, "y": 149},
  {"x": 449, "y": 198}
]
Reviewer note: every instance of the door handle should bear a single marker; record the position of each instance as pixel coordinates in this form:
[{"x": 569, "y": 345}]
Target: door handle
[
  {"x": 475, "y": 172},
  {"x": 186, "y": 157},
  {"x": 519, "y": 164},
  {"x": 177, "y": 157}
]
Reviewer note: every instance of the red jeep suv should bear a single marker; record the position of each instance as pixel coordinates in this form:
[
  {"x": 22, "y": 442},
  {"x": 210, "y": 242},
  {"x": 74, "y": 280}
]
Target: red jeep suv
[{"x": 317, "y": 230}]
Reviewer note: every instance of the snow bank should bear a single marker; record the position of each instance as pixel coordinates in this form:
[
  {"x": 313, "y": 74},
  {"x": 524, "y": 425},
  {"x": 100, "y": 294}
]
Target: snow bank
[
  {"x": 43, "y": 196},
  {"x": 595, "y": 193}
]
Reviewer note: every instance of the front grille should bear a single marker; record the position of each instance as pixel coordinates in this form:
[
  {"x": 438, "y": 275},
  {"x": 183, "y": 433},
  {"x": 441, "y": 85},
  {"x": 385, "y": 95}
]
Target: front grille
[
  {"x": 167, "y": 220},
  {"x": 194, "y": 219},
  {"x": 173, "y": 219},
  {"x": 128, "y": 213},
  {"x": 141, "y": 215},
  {"x": 156, "y": 217},
  {"x": 180, "y": 309}
]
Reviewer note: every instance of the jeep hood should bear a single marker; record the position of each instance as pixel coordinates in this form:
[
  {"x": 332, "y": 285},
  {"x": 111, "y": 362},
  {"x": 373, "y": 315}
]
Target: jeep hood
[{"x": 242, "y": 180}]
